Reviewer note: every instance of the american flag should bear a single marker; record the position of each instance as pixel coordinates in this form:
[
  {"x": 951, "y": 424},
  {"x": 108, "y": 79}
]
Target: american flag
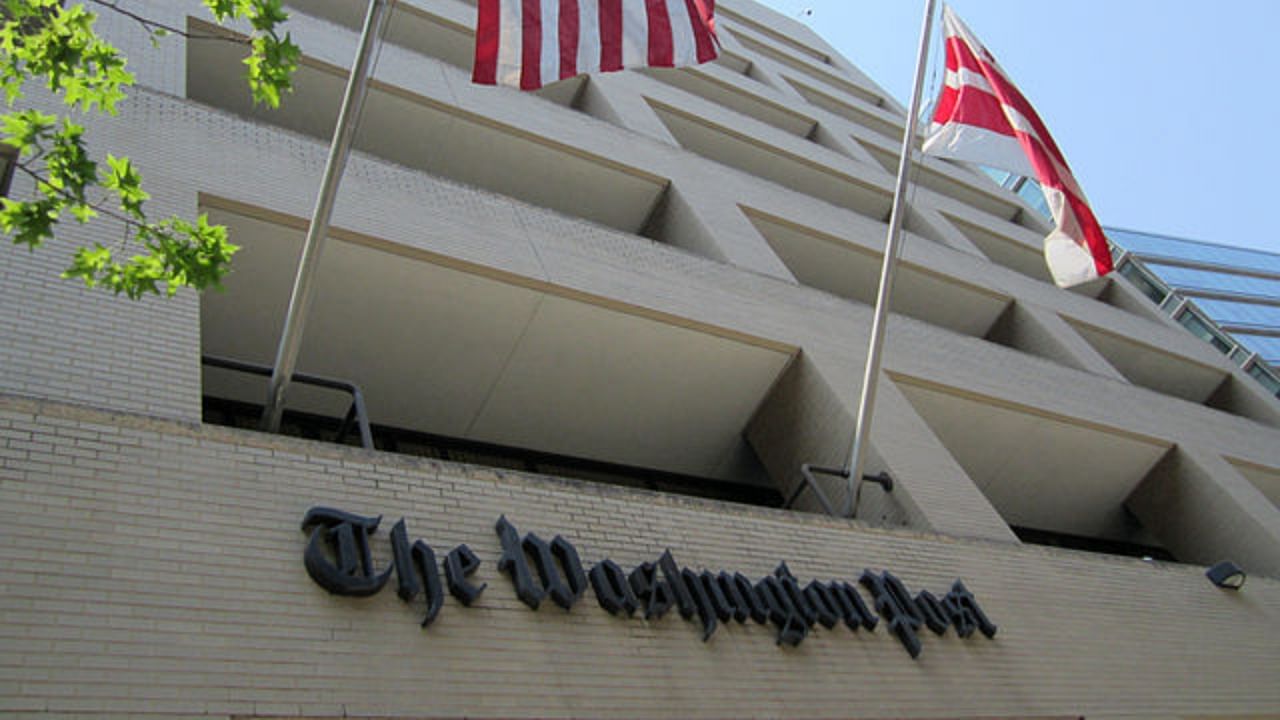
[{"x": 531, "y": 43}]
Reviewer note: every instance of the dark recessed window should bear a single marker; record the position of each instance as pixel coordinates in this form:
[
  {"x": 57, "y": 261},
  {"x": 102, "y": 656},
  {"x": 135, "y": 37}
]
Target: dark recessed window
[{"x": 1143, "y": 282}]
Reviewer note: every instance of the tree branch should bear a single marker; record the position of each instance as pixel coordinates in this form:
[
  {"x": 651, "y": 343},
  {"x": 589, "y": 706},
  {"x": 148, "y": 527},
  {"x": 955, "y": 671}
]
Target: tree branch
[
  {"x": 41, "y": 181},
  {"x": 152, "y": 25}
]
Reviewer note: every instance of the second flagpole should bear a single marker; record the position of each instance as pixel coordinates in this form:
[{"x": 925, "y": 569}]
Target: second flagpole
[{"x": 866, "y": 404}]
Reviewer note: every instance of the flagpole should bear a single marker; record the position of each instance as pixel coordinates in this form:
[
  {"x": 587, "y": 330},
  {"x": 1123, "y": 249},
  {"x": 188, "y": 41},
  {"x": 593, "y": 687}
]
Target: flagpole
[
  {"x": 862, "y": 428},
  {"x": 318, "y": 231}
]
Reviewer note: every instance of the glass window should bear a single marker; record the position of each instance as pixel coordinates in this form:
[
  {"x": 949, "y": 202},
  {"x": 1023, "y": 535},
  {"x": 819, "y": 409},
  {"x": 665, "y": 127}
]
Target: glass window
[
  {"x": 1002, "y": 177},
  {"x": 1266, "y": 377},
  {"x": 1148, "y": 285},
  {"x": 1267, "y": 347},
  {"x": 1198, "y": 279},
  {"x": 1226, "y": 312},
  {"x": 1200, "y": 328},
  {"x": 1030, "y": 191},
  {"x": 1148, "y": 244}
]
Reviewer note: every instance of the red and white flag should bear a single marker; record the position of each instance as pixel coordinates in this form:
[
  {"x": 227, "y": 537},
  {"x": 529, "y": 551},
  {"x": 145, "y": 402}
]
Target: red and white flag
[
  {"x": 531, "y": 43},
  {"x": 981, "y": 117}
]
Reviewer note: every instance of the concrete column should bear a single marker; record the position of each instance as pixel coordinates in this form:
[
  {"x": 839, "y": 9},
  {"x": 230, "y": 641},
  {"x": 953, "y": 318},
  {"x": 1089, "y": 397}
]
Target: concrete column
[
  {"x": 1204, "y": 510},
  {"x": 927, "y": 479},
  {"x": 1121, "y": 293},
  {"x": 1042, "y": 332},
  {"x": 614, "y": 98},
  {"x": 805, "y": 421},
  {"x": 928, "y": 222},
  {"x": 700, "y": 219}
]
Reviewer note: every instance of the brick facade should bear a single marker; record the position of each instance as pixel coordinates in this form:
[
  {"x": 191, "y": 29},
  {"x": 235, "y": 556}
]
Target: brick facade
[{"x": 153, "y": 562}]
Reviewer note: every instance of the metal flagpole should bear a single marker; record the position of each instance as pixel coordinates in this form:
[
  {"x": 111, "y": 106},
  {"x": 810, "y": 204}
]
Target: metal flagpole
[
  {"x": 339, "y": 151},
  {"x": 862, "y": 429}
]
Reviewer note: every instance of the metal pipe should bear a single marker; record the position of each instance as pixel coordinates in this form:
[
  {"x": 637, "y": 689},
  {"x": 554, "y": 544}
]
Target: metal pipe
[
  {"x": 304, "y": 283},
  {"x": 867, "y": 402},
  {"x": 806, "y": 471},
  {"x": 356, "y": 412}
]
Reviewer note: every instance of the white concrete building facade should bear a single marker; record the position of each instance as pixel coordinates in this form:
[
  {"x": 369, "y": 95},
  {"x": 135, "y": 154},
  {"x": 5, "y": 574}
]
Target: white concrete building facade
[{"x": 577, "y": 309}]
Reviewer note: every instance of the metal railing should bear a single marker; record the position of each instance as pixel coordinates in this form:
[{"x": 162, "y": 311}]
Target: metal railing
[
  {"x": 811, "y": 483},
  {"x": 356, "y": 414}
]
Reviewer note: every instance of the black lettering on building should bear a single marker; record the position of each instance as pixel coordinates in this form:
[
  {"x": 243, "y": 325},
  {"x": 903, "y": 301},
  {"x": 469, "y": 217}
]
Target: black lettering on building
[
  {"x": 756, "y": 607},
  {"x": 853, "y": 610},
  {"x": 654, "y": 593},
  {"x": 559, "y": 569},
  {"x": 935, "y": 616},
  {"x": 613, "y": 592},
  {"x": 459, "y": 564},
  {"x": 514, "y": 563},
  {"x": 965, "y": 613},
  {"x": 791, "y": 588},
  {"x": 895, "y": 605},
  {"x": 703, "y": 606},
  {"x": 720, "y": 604},
  {"x": 414, "y": 562},
  {"x": 671, "y": 575},
  {"x": 548, "y": 574},
  {"x": 823, "y": 604},
  {"x": 337, "y": 557},
  {"x": 791, "y": 626},
  {"x": 567, "y": 555}
]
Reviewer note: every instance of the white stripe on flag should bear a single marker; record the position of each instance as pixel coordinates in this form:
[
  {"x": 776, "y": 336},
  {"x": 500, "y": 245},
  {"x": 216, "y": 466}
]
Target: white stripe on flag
[
  {"x": 684, "y": 50},
  {"x": 1077, "y": 249},
  {"x": 588, "y": 35},
  {"x": 975, "y": 144},
  {"x": 635, "y": 34},
  {"x": 549, "y": 58},
  {"x": 509, "y": 44},
  {"x": 500, "y": 51}
]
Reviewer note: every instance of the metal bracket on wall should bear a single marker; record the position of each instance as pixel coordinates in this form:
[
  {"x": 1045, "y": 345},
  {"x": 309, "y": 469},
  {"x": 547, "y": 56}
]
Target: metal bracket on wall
[{"x": 810, "y": 482}]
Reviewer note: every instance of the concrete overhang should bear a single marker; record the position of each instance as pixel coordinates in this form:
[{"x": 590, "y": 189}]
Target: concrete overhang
[
  {"x": 445, "y": 348},
  {"x": 1037, "y": 469}
]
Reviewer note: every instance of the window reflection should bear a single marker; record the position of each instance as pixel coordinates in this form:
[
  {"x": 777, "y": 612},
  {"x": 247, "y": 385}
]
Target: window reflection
[{"x": 1201, "y": 329}]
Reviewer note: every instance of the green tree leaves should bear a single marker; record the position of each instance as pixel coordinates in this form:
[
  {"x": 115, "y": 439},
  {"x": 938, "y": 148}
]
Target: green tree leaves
[
  {"x": 274, "y": 58},
  {"x": 43, "y": 39},
  {"x": 55, "y": 42}
]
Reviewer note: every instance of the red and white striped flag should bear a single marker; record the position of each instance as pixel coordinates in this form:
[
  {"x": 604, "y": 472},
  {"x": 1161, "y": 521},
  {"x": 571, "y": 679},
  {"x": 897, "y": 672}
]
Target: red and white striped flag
[
  {"x": 531, "y": 43},
  {"x": 981, "y": 117}
]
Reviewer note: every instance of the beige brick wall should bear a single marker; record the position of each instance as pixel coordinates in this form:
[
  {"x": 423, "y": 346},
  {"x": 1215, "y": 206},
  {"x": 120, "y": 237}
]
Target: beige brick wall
[{"x": 153, "y": 568}]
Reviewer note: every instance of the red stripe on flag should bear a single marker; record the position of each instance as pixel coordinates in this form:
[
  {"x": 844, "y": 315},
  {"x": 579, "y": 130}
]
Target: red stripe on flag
[
  {"x": 952, "y": 63},
  {"x": 1004, "y": 90},
  {"x": 1048, "y": 175},
  {"x": 485, "y": 68},
  {"x": 960, "y": 55},
  {"x": 568, "y": 38},
  {"x": 1093, "y": 235},
  {"x": 946, "y": 105},
  {"x": 531, "y": 44},
  {"x": 1046, "y": 169},
  {"x": 703, "y": 37},
  {"x": 993, "y": 105},
  {"x": 980, "y": 109},
  {"x": 661, "y": 47},
  {"x": 610, "y": 35}
]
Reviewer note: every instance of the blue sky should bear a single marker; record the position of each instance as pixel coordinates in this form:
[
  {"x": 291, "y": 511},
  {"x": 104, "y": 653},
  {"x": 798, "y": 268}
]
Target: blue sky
[{"x": 1167, "y": 111}]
